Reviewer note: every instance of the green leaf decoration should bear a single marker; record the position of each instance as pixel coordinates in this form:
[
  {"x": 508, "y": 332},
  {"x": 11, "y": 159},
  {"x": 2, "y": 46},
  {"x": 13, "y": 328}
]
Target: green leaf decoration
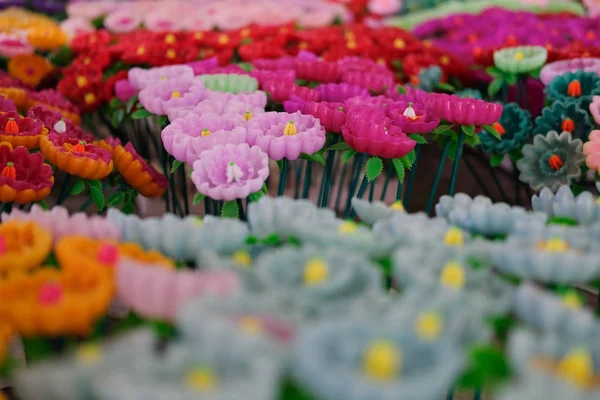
[
  {"x": 472, "y": 141},
  {"x": 280, "y": 164},
  {"x": 272, "y": 240},
  {"x": 469, "y": 130},
  {"x": 374, "y": 168},
  {"x": 399, "y": 167},
  {"x": 162, "y": 120},
  {"x": 511, "y": 79},
  {"x": 316, "y": 157},
  {"x": 496, "y": 159},
  {"x": 442, "y": 129},
  {"x": 265, "y": 189},
  {"x": 420, "y": 139},
  {"x": 43, "y": 204},
  {"x": 95, "y": 183},
  {"x": 97, "y": 196},
  {"x": 445, "y": 86},
  {"x": 175, "y": 166},
  {"x": 245, "y": 66},
  {"x": 536, "y": 74},
  {"x": 62, "y": 57},
  {"x": 78, "y": 187},
  {"x": 401, "y": 89},
  {"x": 340, "y": 146},
  {"x": 409, "y": 159},
  {"x": 115, "y": 199},
  {"x": 131, "y": 103},
  {"x": 254, "y": 197},
  {"x": 495, "y": 72},
  {"x": 487, "y": 366},
  {"x": 115, "y": 103},
  {"x": 348, "y": 154},
  {"x": 230, "y": 209},
  {"x": 141, "y": 114},
  {"x": 495, "y": 86},
  {"x": 198, "y": 198},
  {"x": 492, "y": 131},
  {"x": 117, "y": 118}
]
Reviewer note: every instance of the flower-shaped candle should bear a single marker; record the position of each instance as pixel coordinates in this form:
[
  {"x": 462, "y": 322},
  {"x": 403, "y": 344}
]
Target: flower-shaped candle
[
  {"x": 552, "y": 70},
  {"x": 7, "y": 105},
  {"x": 256, "y": 99},
  {"x": 14, "y": 90},
  {"x": 556, "y": 367},
  {"x": 578, "y": 86},
  {"x": 229, "y": 172},
  {"x": 583, "y": 209},
  {"x": 24, "y": 177},
  {"x": 59, "y": 223},
  {"x": 163, "y": 95},
  {"x": 591, "y": 150},
  {"x": 71, "y": 376},
  {"x": 318, "y": 283},
  {"x": 281, "y": 91},
  {"x": 228, "y": 108},
  {"x": 220, "y": 362},
  {"x": 340, "y": 92},
  {"x": 481, "y": 216},
  {"x": 520, "y": 60},
  {"x": 283, "y": 216},
  {"x": 564, "y": 117},
  {"x": 142, "y": 78},
  {"x": 552, "y": 254},
  {"x": 318, "y": 71},
  {"x": 368, "y": 130},
  {"x": 564, "y": 315},
  {"x": 21, "y": 131},
  {"x": 450, "y": 269},
  {"x": 232, "y": 83},
  {"x": 138, "y": 173},
  {"x": 464, "y": 111},
  {"x": 283, "y": 135},
  {"x": 171, "y": 288},
  {"x": 551, "y": 161},
  {"x": 383, "y": 362},
  {"x": 412, "y": 118},
  {"x": 76, "y": 157},
  {"x": 24, "y": 246},
  {"x": 514, "y": 128},
  {"x": 185, "y": 138},
  {"x": 369, "y": 80},
  {"x": 371, "y": 212},
  {"x": 182, "y": 238},
  {"x": 52, "y": 302},
  {"x": 263, "y": 75},
  {"x": 54, "y": 101},
  {"x": 56, "y": 122},
  {"x": 595, "y": 109}
]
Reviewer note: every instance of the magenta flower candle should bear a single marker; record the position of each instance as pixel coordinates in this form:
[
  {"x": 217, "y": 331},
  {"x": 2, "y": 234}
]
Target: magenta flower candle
[
  {"x": 340, "y": 92},
  {"x": 412, "y": 118},
  {"x": 263, "y": 75},
  {"x": 162, "y": 96},
  {"x": 552, "y": 70},
  {"x": 141, "y": 78},
  {"x": 281, "y": 91},
  {"x": 229, "y": 172},
  {"x": 318, "y": 71},
  {"x": 369, "y": 80},
  {"x": 124, "y": 90},
  {"x": 331, "y": 115},
  {"x": 185, "y": 138},
  {"x": 283, "y": 135},
  {"x": 464, "y": 111},
  {"x": 55, "y": 122},
  {"x": 368, "y": 130}
]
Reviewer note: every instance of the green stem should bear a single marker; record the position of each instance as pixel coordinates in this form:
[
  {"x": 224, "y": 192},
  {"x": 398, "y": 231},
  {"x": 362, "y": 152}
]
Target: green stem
[
  {"x": 477, "y": 395},
  {"x": 363, "y": 187},
  {"x": 372, "y": 191},
  {"x": 517, "y": 184},
  {"x": 504, "y": 92},
  {"x": 6, "y": 208},
  {"x": 85, "y": 205},
  {"x": 298, "y": 171},
  {"x": 328, "y": 175},
  {"x": 64, "y": 190},
  {"x": 478, "y": 179},
  {"x": 186, "y": 202},
  {"x": 495, "y": 179},
  {"x": 354, "y": 183},
  {"x": 438, "y": 176},
  {"x": 338, "y": 196},
  {"x": 459, "y": 146},
  {"x": 282, "y": 177},
  {"x": 450, "y": 394},
  {"x": 207, "y": 205},
  {"x": 411, "y": 178},
  {"x": 388, "y": 178},
  {"x": 307, "y": 178}
]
